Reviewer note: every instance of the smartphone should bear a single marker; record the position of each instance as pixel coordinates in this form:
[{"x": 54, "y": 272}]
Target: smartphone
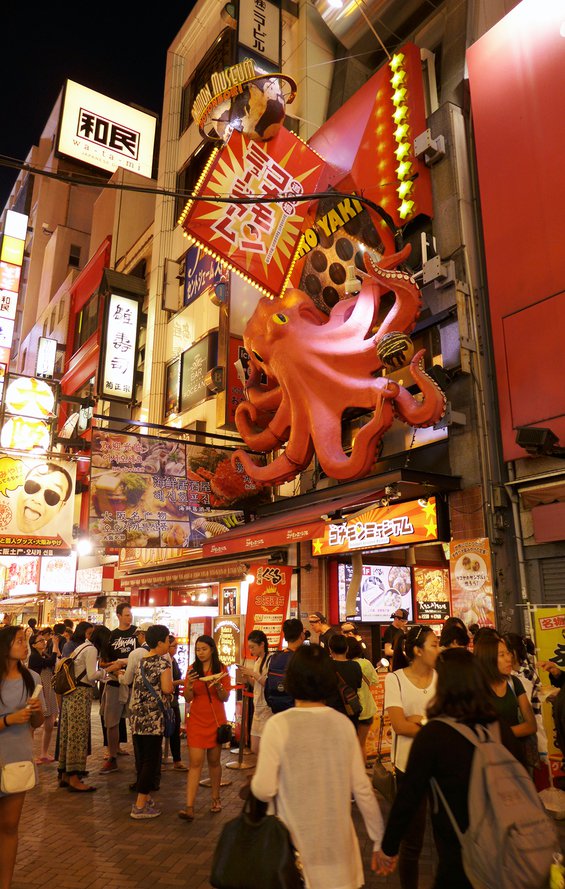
[{"x": 36, "y": 692}]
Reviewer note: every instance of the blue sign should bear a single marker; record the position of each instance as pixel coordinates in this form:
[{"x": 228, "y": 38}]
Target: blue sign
[{"x": 202, "y": 273}]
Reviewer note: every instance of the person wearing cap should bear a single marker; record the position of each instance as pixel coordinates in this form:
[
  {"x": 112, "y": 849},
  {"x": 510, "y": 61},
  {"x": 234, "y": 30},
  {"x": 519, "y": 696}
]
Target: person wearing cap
[
  {"x": 397, "y": 628},
  {"x": 320, "y": 625}
]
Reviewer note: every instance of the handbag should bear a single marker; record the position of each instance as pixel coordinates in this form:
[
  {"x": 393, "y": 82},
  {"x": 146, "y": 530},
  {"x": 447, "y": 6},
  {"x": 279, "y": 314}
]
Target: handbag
[
  {"x": 224, "y": 733},
  {"x": 17, "y": 777},
  {"x": 384, "y": 777},
  {"x": 255, "y": 852},
  {"x": 166, "y": 709}
]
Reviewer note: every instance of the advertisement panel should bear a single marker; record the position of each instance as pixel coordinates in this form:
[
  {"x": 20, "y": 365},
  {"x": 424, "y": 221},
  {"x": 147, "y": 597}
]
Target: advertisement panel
[
  {"x": 548, "y": 623},
  {"x": 383, "y": 589},
  {"x": 414, "y": 521},
  {"x": 432, "y": 594},
  {"x": 227, "y": 636},
  {"x": 36, "y": 505},
  {"x": 267, "y": 602},
  {"x": 257, "y": 240},
  {"x": 202, "y": 273},
  {"x": 196, "y": 362},
  {"x": 471, "y": 581},
  {"x": 120, "y": 350},
  {"x": 57, "y": 574},
  {"x": 372, "y": 743},
  {"x": 152, "y": 492},
  {"x": 229, "y": 598},
  {"x": 259, "y": 28},
  {"x": 105, "y": 133},
  {"x": 21, "y": 575}
]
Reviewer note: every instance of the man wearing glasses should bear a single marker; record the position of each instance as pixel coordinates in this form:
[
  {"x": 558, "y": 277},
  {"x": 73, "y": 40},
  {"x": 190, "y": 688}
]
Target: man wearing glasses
[
  {"x": 45, "y": 491},
  {"x": 397, "y": 628}
]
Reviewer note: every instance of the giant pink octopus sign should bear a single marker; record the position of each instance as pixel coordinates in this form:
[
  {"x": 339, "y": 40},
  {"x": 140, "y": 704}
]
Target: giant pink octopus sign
[{"x": 323, "y": 366}]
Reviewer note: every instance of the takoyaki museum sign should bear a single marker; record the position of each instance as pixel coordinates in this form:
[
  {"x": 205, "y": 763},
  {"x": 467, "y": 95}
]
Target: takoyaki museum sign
[
  {"x": 223, "y": 85},
  {"x": 412, "y": 522}
]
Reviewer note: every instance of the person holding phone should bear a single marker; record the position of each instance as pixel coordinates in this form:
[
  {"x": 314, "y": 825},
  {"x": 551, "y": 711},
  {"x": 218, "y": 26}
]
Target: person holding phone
[
  {"x": 21, "y": 710},
  {"x": 206, "y": 689}
]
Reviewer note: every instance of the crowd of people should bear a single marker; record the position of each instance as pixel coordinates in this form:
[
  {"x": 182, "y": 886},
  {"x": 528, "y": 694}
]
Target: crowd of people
[{"x": 313, "y": 707}]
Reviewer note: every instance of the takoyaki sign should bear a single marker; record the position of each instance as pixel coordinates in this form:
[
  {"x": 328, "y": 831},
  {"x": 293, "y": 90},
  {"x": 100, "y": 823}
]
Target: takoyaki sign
[
  {"x": 400, "y": 523},
  {"x": 256, "y": 240}
]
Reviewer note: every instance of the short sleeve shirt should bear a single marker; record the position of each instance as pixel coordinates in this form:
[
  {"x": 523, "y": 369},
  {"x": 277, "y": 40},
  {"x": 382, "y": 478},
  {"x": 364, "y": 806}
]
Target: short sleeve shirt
[
  {"x": 146, "y": 717},
  {"x": 400, "y": 692}
]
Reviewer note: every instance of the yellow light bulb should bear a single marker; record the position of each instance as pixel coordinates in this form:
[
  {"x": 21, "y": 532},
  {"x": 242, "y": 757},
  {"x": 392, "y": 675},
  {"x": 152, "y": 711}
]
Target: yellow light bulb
[
  {"x": 400, "y": 114},
  {"x": 404, "y": 189},
  {"x": 402, "y": 151},
  {"x": 399, "y": 96},
  {"x": 406, "y": 209},
  {"x": 396, "y": 61},
  {"x": 403, "y": 169},
  {"x": 401, "y": 132},
  {"x": 398, "y": 79}
]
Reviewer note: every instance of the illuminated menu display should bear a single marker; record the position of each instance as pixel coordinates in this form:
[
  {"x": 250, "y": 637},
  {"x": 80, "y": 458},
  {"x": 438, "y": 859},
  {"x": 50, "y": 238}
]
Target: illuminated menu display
[{"x": 120, "y": 354}]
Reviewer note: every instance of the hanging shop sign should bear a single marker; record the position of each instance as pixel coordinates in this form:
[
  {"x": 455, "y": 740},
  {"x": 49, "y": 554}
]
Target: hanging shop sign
[
  {"x": 89, "y": 580},
  {"x": 432, "y": 594},
  {"x": 414, "y": 521},
  {"x": 226, "y": 633},
  {"x": 21, "y": 576},
  {"x": 259, "y": 28},
  {"x": 471, "y": 581},
  {"x": 239, "y": 368},
  {"x": 256, "y": 240},
  {"x": 120, "y": 348},
  {"x": 195, "y": 364},
  {"x": 36, "y": 505},
  {"x": 267, "y": 602},
  {"x": 201, "y": 275},
  {"x": 29, "y": 409},
  {"x": 58, "y": 574},
  {"x": 11, "y": 260},
  {"x": 151, "y": 492},
  {"x": 104, "y": 133},
  {"x": 548, "y": 624}
]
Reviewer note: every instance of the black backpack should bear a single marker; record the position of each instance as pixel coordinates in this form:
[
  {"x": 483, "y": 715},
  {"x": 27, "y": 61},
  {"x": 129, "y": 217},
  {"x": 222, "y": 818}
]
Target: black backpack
[
  {"x": 276, "y": 696},
  {"x": 349, "y": 698}
]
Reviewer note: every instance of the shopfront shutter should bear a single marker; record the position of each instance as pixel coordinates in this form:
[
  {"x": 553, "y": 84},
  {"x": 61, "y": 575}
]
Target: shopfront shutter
[{"x": 553, "y": 580}]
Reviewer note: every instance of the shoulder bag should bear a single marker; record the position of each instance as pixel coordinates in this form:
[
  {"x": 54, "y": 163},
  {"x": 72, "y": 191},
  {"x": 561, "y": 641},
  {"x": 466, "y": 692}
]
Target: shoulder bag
[
  {"x": 17, "y": 777},
  {"x": 224, "y": 733},
  {"x": 166, "y": 709},
  {"x": 384, "y": 776},
  {"x": 255, "y": 850}
]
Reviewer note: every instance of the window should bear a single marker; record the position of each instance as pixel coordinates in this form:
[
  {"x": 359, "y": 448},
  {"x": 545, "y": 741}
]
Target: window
[
  {"x": 62, "y": 305},
  {"x": 190, "y": 174},
  {"x": 52, "y": 320},
  {"x": 221, "y": 55},
  {"x": 87, "y": 322},
  {"x": 74, "y": 256}
]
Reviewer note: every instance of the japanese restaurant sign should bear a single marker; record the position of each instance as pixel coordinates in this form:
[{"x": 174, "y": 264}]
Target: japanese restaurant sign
[
  {"x": 21, "y": 575},
  {"x": 120, "y": 353},
  {"x": 431, "y": 594},
  {"x": 36, "y": 505},
  {"x": 155, "y": 492},
  {"x": 471, "y": 581},
  {"x": 256, "y": 240},
  {"x": 259, "y": 28},
  {"x": 58, "y": 574},
  {"x": 411, "y": 522},
  {"x": 202, "y": 273},
  {"x": 267, "y": 602},
  {"x": 227, "y": 636}
]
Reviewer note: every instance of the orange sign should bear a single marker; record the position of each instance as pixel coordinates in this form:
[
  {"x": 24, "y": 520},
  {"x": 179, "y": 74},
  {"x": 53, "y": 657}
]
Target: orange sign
[
  {"x": 267, "y": 602},
  {"x": 256, "y": 240},
  {"x": 400, "y": 523},
  {"x": 431, "y": 594},
  {"x": 471, "y": 581}
]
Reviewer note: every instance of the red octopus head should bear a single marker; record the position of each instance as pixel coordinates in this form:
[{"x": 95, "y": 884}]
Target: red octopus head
[{"x": 277, "y": 322}]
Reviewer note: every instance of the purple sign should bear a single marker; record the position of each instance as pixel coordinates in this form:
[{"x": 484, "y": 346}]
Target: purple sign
[{"x": 202, "y": 273}]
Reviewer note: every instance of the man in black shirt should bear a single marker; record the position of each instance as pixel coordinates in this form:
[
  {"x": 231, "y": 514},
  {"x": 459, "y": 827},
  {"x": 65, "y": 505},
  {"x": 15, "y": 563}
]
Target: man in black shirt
[
  {"x": 121, "y": 642},
  {"x": 396, "y": 629},
  {"x": 320, "y": 625}
]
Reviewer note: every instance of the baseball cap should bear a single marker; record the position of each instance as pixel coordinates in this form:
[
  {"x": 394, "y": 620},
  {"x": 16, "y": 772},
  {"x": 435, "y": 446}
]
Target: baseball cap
[
  {"x": 400, "y": 613},
  {"x": 142, "y": 628}
]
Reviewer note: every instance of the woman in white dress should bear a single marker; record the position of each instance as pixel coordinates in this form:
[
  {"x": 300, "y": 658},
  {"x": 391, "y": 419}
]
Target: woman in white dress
[
  {"x": 309, "y": 765},
  {"x": 259, "y": 649}
]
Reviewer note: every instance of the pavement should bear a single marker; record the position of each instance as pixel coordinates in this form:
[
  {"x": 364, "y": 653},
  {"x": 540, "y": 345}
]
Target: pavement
[{"x": 73, "y": 841}]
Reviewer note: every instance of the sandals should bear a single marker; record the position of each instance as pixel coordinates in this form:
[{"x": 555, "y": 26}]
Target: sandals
[
  {"x": 85, "y": 789},
  {"x": 216, "y": 806},
  {"x": 187, "y": 814}
]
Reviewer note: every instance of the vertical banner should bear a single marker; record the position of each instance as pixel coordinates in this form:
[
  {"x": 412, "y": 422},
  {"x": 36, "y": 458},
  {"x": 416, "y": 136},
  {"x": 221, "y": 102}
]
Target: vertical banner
[
  {"x": 548, "y": 624},
  {"x": 471, "y": 581},
  {"x": 267, "y": 602}
]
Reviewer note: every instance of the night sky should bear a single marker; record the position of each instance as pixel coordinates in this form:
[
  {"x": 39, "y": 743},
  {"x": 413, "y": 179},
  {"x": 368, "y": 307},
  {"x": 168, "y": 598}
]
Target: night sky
[{"x": 117, "y": 49}]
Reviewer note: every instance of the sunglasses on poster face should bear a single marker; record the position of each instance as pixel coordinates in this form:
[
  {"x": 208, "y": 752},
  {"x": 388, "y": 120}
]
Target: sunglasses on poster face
[{"x": 52, "y": 498}]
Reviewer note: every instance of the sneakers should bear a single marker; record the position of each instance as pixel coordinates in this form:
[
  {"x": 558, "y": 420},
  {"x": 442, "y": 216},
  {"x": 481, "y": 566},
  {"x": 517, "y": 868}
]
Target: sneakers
[
  {"x": 109, "y": 766},
  {"x": 149, "y": 810}
]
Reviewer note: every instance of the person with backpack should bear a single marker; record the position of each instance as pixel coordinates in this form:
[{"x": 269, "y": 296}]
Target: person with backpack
[
  {"x": 408, "y": 691},
  {"x": 349, "y": 680},
  {"x": 276, "y": 695},
  {"x": 451, "y": 752}
]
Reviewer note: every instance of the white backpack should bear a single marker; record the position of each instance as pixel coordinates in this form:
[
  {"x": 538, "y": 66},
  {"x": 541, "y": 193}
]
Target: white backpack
[{"x": 510, "y": 841}]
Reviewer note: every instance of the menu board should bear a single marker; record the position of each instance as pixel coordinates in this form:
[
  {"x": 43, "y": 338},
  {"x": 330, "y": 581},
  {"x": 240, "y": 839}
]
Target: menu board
[
  {"x": 21, "y": 575},
  {"x": 227, "y": 636},
  {"x": 196, "y": 362},
  {"x": 431, "y": 594},
  {"x": 57, "y": 574},
  {"x": 383, "y": 589},
  {"x": 267, "y": 602},
  {"x": 471, "y": 581}
]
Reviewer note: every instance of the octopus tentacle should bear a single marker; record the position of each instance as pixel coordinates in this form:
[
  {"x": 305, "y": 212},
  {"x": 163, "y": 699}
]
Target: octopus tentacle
[
  {"x": 265, "y": 400},
  {"x": 408, "y": 302},
  {"x": 246, "y": 418},
  {"x": 428, "y": 411},
  {"x": 282, "y": 469}
]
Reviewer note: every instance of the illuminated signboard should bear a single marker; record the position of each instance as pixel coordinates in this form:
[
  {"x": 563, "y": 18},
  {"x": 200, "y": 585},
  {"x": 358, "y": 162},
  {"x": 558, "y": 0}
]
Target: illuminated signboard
[
  {"x": 259, "y": 28},
  {"x": 11, "y": 261},
  {"x": 400, "y": 523},
  {"x": 383, "y": 589},
  {"x": 120, "y": 353},
  {"x": 8, "y": 304},
  {"x": 46, "y": 355},
  {"x": 258, "y": 241},
  {"x": 6, "y": 333},
  {"x": 12, "y": 250},
  {"x": 57, "y": 574},
  {"x": 21, "y": 576},
  {"x": 16, "y": 225},
  {"x": 9, "y": 277},
  {"x": 105, "y": 133},
  {"x": 89, "y": 580}
]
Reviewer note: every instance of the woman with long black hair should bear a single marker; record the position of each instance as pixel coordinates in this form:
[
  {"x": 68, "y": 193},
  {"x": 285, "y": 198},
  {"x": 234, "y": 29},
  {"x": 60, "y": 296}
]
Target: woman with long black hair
[
  {"x": 441, "y": 752},
  {"x": 206, "y": 688},
  {"x": 259, "y": 649},
  {"x": 408, "y": 691},
  {"x": 43, "y": 663},
  {"x": 19, "y": 714}
]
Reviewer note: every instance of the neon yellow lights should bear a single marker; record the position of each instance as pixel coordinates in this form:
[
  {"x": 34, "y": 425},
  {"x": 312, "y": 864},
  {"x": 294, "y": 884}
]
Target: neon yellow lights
[
  {"x": 399, "y": 97},
  {"x": 401, "y": 132},
  {"x": 404, "y": 169},
  {"x": 402, "y": 135},
  {"x": 397, "y": 61},
  {"x": 398, "y": 79},
  {"x": 400, "y": 114},
  {"x": 406, "y": 209},
  {"x": 402, "y": 151},
  {"x": 404, "y": 189}
]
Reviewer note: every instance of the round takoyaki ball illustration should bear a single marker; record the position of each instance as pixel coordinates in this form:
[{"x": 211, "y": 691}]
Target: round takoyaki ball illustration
[
  {"x": 471, "y": 571},
  {"x": 258, "y": 112}
]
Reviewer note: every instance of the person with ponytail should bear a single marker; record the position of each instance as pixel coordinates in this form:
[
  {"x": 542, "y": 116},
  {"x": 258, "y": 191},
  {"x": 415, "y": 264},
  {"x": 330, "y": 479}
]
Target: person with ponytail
[
  {"x": 257, "y": 675},
  {"x": 408, "y": 691}
]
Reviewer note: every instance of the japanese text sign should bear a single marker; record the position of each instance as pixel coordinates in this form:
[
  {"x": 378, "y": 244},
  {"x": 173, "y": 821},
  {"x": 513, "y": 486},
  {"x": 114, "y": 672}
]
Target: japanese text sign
[
  {"x": 257, "y": 240},
  {"x": 120, "y": 353},
  {"x": 259, "y": 24},
  {"x": 267, "y": 602},
  {"x": 471, "y": 581}
]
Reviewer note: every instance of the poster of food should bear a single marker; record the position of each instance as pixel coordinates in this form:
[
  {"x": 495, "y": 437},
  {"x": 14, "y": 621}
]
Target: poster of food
[
  {"x": 372, "y": 744},
  {"x": 154, "y": 492},
  {"x": 36, "y": 505},
  {"x": 383, "y": 588},
  {"x": 57, "y": 574},
  {"x": 267, "y": 602},
  {"x": 229, "y": 598},
  {"x": 432, "y": 594},
  {"x": 21, "y": 575},
  {"x": 471, "y": 582}
]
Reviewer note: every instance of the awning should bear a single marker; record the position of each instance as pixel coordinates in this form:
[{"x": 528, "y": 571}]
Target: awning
[{"x": 301, "y": 518}]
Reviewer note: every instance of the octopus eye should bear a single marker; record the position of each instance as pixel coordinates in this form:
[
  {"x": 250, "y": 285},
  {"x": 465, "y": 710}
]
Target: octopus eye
[
  {"x": 279, "y": 318},
  {"x": 257, "y": 356}
]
